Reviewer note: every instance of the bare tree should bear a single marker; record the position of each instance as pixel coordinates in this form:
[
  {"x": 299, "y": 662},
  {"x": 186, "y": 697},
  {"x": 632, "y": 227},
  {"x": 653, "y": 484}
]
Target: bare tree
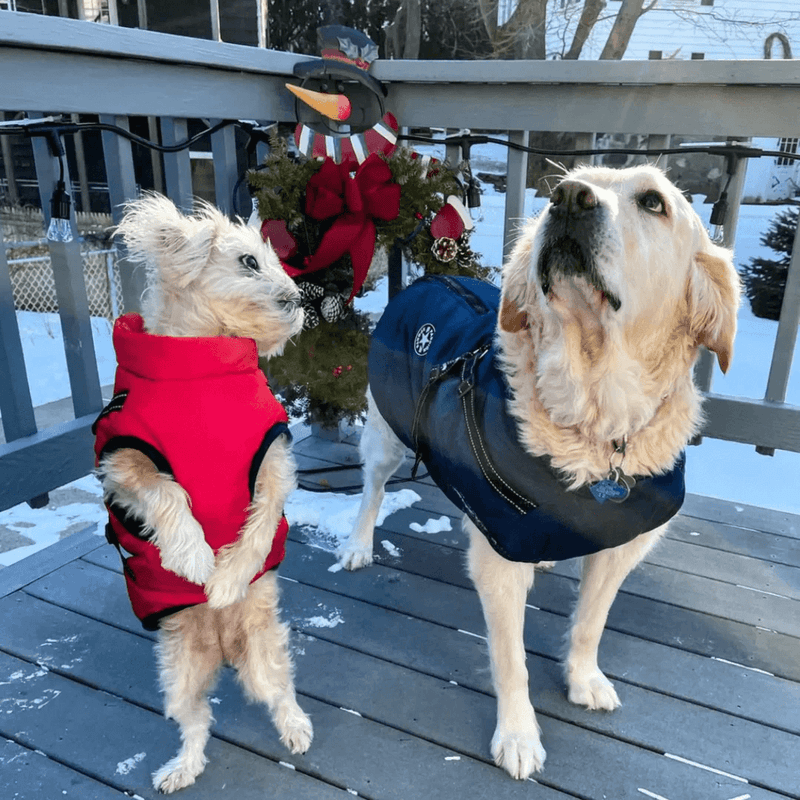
[
  {"x": 629, "y": 14},
  {"x": 404, "y": 32},
  {"x": 523, "y": 34},
  {"x": 589, "y": 15}
]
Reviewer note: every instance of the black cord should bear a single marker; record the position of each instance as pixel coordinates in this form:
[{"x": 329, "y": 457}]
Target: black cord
[
  {"x": 340, "y": 468},
  {"x": 465, "y": 140}
]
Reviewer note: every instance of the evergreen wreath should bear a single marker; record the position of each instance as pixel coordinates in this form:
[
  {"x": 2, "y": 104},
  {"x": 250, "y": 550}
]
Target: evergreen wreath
[{"x": 322, "y": 374}]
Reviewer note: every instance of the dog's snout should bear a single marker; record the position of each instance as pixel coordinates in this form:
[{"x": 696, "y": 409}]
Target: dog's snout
[
  {"x": 289, "y": 301},
  {"x": 574, "y": 197}
]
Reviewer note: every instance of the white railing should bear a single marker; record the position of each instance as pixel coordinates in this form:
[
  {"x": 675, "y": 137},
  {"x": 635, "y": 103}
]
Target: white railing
[{"x": 72, "y": 67}]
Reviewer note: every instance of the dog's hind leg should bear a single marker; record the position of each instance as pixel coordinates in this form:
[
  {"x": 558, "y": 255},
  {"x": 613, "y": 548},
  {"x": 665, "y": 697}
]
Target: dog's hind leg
[
  {"x": 603, "y": 574},
  {"x": 382, "y": 453},
  {"x": 256, "y": 643},
  {"x": 503, "y": 587},
  {"x": 189, "y": 656}
]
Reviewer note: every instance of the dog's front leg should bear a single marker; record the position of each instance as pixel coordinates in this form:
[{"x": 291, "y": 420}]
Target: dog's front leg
[
  {"x": 239, "y": 562},
  {"x": 382, "y": 453},
  {"x": 133, "y": 482},
  {"x": 603, "y": 574},
  {"x": 503, "y": 587}
]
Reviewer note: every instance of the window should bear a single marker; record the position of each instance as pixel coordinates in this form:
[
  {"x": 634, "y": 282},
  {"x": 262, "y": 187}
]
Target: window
[
  {"x": 706, "y": 2},
  {"x": 786, "y": 146},
  {"x": 698, "y": 56},
  {"x": 655, "y": 55}
]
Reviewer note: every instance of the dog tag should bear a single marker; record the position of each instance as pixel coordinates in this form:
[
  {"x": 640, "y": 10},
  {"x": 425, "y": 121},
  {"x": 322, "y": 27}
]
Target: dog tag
[
  {"x": 621, "y": 477},
  {"x": 609, "y": 490}
]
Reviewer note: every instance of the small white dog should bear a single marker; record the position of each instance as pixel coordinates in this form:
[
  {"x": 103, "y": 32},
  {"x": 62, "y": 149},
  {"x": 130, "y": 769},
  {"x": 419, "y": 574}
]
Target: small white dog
[
  {"x": 555, "y": 413},
  {"x": 195, "y": 460}
]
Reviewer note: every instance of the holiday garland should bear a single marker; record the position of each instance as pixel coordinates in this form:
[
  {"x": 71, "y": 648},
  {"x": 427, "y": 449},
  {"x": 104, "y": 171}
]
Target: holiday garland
[{"x": 323, "y": 219}]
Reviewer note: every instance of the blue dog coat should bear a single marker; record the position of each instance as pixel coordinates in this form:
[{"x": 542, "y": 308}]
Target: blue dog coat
[{"x": 434, "y": 376}]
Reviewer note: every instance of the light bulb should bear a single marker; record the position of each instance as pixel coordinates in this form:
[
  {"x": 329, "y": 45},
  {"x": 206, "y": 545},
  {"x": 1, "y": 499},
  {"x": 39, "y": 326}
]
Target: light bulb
[{"x": 60, "y": 228}]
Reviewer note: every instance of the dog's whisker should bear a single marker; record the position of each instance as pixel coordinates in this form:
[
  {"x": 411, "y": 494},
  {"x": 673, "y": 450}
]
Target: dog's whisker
[{"x": 559, "y": 166}]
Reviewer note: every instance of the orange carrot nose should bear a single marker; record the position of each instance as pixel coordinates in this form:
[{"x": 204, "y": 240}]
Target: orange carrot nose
[{"x": 333, "y": 106}]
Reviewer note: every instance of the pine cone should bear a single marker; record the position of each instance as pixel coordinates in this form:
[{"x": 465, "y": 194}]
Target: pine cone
[
  {"x": 332, "y": 307},
  {"x": 310, "y": 318},
  {"x": 310, "y": 291}
]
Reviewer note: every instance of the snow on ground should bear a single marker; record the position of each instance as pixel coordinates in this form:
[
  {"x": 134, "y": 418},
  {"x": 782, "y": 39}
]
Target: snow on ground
[
  {"x": 719, "y": 469},
  {"x": 330, "y": 516},
  {"x": 45, "y": 526},
  {"x": 433, "y": 525}
]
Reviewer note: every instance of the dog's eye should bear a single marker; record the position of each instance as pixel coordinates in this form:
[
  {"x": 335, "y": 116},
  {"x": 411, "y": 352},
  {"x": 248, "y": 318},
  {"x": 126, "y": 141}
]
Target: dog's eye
[
  {"x": 249, "y": 262},
  {"x": 652, "y": 201}
]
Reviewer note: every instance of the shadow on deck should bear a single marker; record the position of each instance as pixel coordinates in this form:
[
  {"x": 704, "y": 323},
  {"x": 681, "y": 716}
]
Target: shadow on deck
[{"x": 703, "y": 645}]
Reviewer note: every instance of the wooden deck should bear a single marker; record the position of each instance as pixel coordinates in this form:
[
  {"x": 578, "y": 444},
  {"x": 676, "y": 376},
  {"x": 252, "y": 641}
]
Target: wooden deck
[{"x": 703, "y": 645}]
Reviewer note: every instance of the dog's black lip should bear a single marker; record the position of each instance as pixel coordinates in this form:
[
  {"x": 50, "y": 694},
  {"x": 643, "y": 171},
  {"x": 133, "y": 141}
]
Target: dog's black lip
[{"x": 567, "y": 257}]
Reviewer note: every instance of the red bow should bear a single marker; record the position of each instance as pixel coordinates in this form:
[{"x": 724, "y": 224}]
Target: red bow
[
  {"x": 283, "y": 243},
  {"x": 354, "y": 201}
]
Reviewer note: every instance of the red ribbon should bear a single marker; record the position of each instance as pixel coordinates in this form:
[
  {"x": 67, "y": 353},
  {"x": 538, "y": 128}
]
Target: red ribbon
[
  {"x": 355, "y": 201},
  {"x": 283, "y": 243}
]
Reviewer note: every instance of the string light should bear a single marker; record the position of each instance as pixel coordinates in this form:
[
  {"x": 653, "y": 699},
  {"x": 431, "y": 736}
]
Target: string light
[{"x": 60, "y": 227}]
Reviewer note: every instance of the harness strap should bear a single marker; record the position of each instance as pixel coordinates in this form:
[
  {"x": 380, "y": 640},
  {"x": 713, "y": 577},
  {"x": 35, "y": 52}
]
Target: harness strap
[
  {"x": 466, "y": 391},
  {"x": 436, "y": 374}
]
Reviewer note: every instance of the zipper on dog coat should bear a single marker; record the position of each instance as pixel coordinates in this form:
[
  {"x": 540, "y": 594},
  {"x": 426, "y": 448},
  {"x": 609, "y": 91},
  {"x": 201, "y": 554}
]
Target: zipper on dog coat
[
  {"x": 434, "y": 375},
  {"x": 201, "y": 410}
]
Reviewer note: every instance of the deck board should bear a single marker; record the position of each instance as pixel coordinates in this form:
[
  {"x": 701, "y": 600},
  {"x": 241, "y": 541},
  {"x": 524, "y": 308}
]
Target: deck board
[{"x": 392, "y": 666}]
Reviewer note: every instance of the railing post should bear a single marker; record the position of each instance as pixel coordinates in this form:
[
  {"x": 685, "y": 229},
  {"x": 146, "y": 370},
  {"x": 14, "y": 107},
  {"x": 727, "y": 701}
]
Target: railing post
[
  {"x": 516, "y": 183},
  {"x": 223, "y": 149},
  {"x": 121, "y": 188},
  {"x": 15, "y": 394},
  {"x": 704, "y": 367},
  {"x": 657, "y": 140},
  {"x": 8, "y": 165},
  {"x": 73, "y": 304},
  {"x": 786, "y": 337},
  {"x": 585, "y": 141},
  {"x": 177, "y": 166}
]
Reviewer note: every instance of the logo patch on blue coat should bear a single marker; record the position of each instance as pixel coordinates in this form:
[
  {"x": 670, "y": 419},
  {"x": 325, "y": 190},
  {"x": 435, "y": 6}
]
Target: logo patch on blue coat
[{"x": 424, "y": 339}]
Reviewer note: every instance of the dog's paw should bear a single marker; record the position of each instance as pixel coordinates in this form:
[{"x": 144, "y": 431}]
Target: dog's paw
[
  {"x": 296, "y": 731},
  {"x": 221, "y": 591},
  {"x": 544, "y": 566},
  {"x": 194, "y": 560},
  {"x": 178, "y": 773},
  {"x": 592, "y": 690},
  {"x": 518, "y": 752},
  {"x": 353, "y": 556}
]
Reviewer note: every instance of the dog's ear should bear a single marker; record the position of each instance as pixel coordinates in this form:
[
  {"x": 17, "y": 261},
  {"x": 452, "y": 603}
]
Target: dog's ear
[
  {"x": 176, "y": 246},
  {"x": 512, "y": 317},
  {"x": 714, "y": 292}
]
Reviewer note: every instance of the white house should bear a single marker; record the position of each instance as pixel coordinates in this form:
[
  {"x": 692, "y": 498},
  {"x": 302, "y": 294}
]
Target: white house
[
  {"x": 702, "y": 29},
  {"x": 690, "y": 29}
]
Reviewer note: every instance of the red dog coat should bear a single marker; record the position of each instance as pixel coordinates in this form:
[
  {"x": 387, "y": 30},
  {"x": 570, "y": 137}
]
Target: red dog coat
[{"x": 202, "y": 411}]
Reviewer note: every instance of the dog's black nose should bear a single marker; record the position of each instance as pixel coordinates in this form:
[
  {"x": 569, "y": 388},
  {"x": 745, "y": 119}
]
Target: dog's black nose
[
  {"x": 574, "y": 197},
  {"x": 289, "y": 302}
]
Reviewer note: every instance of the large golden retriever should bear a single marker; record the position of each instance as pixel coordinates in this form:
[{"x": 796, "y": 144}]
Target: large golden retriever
[{"x": 605, "y": 301}]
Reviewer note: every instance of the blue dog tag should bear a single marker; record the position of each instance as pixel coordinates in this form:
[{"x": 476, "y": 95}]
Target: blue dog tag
[{"x": 609, "y": 490}]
